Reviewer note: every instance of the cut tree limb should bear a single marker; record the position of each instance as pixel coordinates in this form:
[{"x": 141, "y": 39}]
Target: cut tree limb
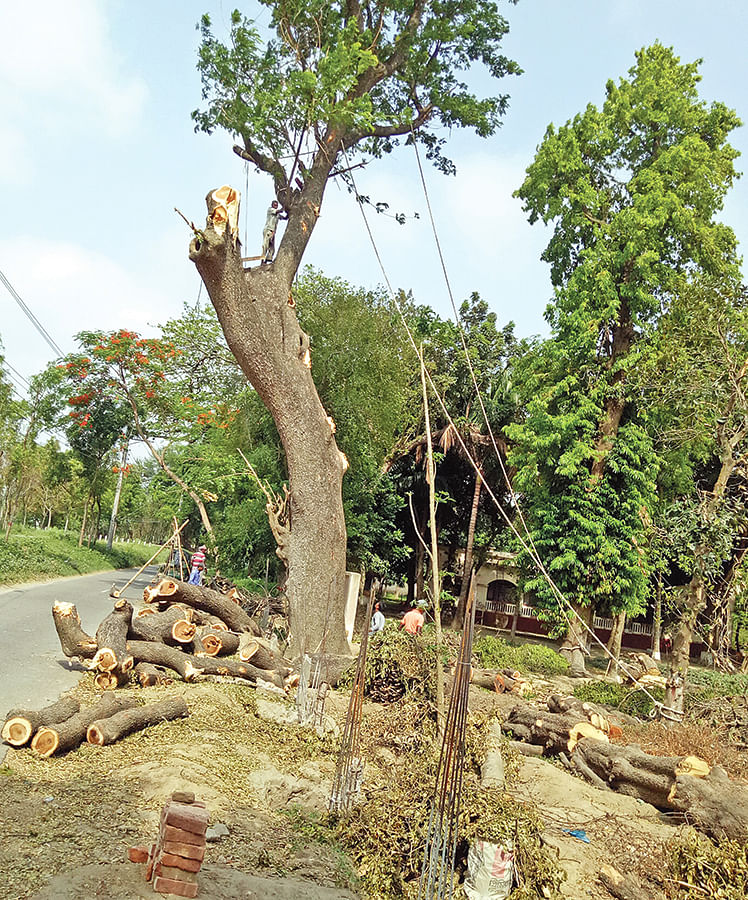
[
  {"x": 147, "y": 675},
  {"x": 205, "y": 599},
  {"x": 111, "y": 637},
  {"x": 21, "y": 724},
  {"x": 110, "y": 729},
  {"x": 215, "y": 642},
  {"x": 261, "y": 654},
  {"x": 69, "y": 734},
  {"x": 73, "y": 639},
  {"x": 173, "y": 626}
]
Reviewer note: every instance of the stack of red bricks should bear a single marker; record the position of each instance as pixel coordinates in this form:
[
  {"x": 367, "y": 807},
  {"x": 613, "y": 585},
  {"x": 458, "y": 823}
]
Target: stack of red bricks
[{"x": 175, "y": 859}]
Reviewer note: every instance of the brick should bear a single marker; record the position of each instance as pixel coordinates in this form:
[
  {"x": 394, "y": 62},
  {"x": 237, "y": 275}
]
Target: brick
[
  {"x": 179, "y": 862},
  {"x": 138, "y": 854},
  {"x": 169, "y": 886},
  {"x": 187, "y": 818},
  {"x": 175, "y": 874},
  {"x": 151, "y": 861},
  {"x": 170, "y": 833},
  {"x": 183, "y": 796},
  {"x": 188, "y": 851}
]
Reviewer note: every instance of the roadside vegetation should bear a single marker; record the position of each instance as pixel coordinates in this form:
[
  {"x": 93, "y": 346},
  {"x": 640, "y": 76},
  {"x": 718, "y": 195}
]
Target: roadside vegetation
[{"x": 31, "y": 554}]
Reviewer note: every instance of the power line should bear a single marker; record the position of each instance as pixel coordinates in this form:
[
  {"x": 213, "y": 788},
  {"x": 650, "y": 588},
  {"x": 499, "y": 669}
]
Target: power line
[
  {"x": 16, "y": 372},
  {"x": 31, "y": 317}
]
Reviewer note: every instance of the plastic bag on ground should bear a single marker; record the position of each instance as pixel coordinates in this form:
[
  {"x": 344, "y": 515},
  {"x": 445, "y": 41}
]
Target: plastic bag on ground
[{"x": 490, "y": 871}]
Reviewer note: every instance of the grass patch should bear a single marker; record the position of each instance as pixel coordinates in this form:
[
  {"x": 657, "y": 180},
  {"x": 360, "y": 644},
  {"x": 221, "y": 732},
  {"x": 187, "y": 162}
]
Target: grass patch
[
  {"x": 495, "y": 653},
  {"x": 32, "y": 554},
  {"x": 629, "y": 700},
  {"x": 710, "y": 684}
]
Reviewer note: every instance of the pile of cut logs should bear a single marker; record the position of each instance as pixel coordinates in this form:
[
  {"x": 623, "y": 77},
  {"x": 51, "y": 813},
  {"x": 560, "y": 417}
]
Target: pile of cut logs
[
  {"x": 579, "y": 733},
  {"x": 183, "y": 628},
  {"x": 64, "y": 725}
]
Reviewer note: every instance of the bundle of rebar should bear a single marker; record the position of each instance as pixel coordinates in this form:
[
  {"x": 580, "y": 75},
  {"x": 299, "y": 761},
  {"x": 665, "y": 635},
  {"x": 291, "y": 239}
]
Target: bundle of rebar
[
  {"x": 349, "y": 772},
  {"x": 437, "y": 871}
]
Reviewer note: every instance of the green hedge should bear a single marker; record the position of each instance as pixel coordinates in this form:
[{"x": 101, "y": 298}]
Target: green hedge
[
  {"x": 495, "y": 653},
  {"x": 35, "y": 555}
]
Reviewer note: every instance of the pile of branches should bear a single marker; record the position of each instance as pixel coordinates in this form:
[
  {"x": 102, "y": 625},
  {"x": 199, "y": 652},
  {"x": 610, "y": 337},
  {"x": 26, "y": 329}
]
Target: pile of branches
[
  {"x": 727, "y": 716},
  {"x": 258, "y": 606},
  {"x": 183, "y": 629}
]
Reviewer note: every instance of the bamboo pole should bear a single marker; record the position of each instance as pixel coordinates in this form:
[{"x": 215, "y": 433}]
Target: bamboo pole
[
  {"x": 120, "y": 591},
  {"x": 435, "y": 579}
]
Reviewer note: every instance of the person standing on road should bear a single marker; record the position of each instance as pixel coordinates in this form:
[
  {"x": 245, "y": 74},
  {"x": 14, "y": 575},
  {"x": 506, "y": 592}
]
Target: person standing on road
[
  {"x": 377, "y": 620},
  {"x": 198, "y": 565}
]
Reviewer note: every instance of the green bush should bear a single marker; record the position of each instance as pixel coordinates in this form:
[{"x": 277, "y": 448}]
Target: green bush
[
  {"x": 495, "y": 653},
  {"x": 700, "y": 868},
  {"x": 630, "y": 700},
  {"x": 30, "y": 554},
  {"x": 709, "y": 683}
]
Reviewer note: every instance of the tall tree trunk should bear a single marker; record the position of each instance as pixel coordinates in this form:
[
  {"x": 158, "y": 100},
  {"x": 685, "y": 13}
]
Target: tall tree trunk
[
  {"x": 694, "y": 594},
  {"x": 85, "y": 517},
  {"x": 657, "y": 624},
  {"x": 256, "y": 311},
  {"x": 467, "y": 568},
  {"x": 614, "y": 642},
  {"x": 117, "y": 494}
]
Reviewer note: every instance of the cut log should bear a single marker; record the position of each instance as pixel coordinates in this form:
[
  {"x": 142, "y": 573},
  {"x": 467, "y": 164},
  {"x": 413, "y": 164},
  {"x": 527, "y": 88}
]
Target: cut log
[
  {"x": 21, "y": 724},
  {"x": 173, "y": 626},
  {"x": 204, "y": 598},
  {"x": 624, "y": 887},
  {"x": 559, "y": 704},
  {"x": 216, "y": 642},
  {"x": 714, "y": 804},
  {"x": 260, "y": 653},
  {"x": 69, "y": 734},
  {"x": 110, "y": 681},
  {"x": 147, "y": 675},
  {"x": 185, "y": 665},
  {"x": 191, "y": 667},
  {"x": 73, "y": 639},
  {"x": 111, "y": 729},
  {"x": 111, "y": 637},
  {"x": 550, "y": 730},
  {"x": 205, "y": 619}
]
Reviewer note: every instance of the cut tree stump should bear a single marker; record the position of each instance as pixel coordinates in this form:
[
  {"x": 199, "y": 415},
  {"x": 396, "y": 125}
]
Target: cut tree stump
[
  {"x": 69, "y": 734},
  {"x": 553, "y": 731},
  {"x": 111, "y": 637},
  {"x": 112, "y": 728},
  {"x": 110, "y": 681},
  {"x": 205, "y": 599},
  {"x": 73, "y": 639},
  {"x": 21, "y": 724},
  {"x": 173, "y": 626}
]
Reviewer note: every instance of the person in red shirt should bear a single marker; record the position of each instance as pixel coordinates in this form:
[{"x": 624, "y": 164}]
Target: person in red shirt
[
  {"x": 198, "y": 565},
  {"x": 412, "y": 621}
]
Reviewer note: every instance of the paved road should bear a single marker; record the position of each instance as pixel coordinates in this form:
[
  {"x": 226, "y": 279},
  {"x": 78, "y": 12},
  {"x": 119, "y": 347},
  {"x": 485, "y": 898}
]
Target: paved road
[{"x": 33, "y": 668}]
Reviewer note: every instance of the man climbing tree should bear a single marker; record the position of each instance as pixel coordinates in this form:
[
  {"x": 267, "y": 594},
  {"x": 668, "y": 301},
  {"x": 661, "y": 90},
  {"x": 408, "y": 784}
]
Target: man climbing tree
[{"x": 337, "y": 80}]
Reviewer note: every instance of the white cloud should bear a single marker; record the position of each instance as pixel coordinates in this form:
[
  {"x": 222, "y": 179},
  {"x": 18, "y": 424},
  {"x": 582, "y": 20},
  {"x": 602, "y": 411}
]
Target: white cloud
[
  {"x": 58, "y": 65},
  {"x": 71, "y": 289}
]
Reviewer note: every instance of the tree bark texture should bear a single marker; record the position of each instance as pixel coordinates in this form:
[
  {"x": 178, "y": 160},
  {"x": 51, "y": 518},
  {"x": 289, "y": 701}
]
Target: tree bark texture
[
  {"x": 203, "y": 598},
  {"x": 147, "y": 675},
  {"x": 73, "y": 639},
  {"x": 614, "y": 643},
  {"x": 111, "y": 638},
  {"x": 215, "y": 642},
  {"x": 20, "y": 724},
  {"x": 69, "y": 734},
  {"x": 170, "y": 627},
  {"x": 111, "y": 729},
  {"x": 256, "y": 312}
]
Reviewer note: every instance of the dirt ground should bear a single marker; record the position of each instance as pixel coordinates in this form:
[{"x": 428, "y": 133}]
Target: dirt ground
[{"x": 67, "y": 823}]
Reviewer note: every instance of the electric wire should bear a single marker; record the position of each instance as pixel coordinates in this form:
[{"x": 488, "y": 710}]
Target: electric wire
[
  {"x": 530, "y": 550},
  {"x": 31, "y": 317}
]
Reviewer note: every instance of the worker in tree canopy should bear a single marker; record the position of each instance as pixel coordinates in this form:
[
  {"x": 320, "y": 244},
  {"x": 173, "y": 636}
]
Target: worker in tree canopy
[
  {"x": 412, "y": 621},
  {"x": 198, "y": 565},
  {"x": 268, "y": 232},
  {"x": 377, "y": 620}
]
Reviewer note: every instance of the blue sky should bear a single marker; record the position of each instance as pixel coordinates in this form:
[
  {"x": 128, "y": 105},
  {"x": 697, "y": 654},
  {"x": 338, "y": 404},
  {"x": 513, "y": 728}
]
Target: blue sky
[{"x": 97, "y": 148}]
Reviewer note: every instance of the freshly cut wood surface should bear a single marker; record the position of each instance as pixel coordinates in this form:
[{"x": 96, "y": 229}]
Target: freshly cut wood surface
[
  {"x": 111, "y": 638},
  {"x": 73, "y": 639},
  {"x": 260, "y": 653},
  {"x": 148, "y": 675},
  {"x": 216, "y": 642},
  {"x": 173, "y": 626},
  {"x": 20, "y": 724},
  {"x": 112, "y": 728},
  {"x": 69, "y": 734},
  {"x": 205, "y": 599}
]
